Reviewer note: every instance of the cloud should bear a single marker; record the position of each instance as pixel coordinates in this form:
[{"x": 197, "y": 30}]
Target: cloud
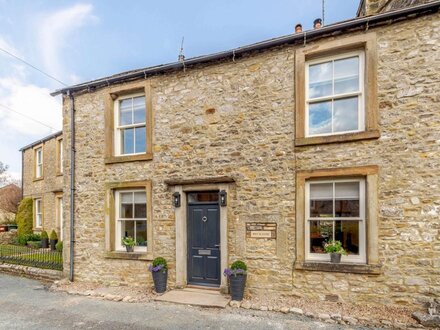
[{"x": 54, "y": 32}]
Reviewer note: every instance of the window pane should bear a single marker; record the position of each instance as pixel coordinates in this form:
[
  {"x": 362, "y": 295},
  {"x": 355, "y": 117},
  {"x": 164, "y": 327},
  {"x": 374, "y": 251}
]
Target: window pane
[
  {"x": 320, "y": 118},
  {"x": 126, "y": 211},
  {"x": 126, "y": 197},
  {"x": 346, "y": 75},
  {"x": 140, "y": 197},
  {"x": 125, "y": 112},
  {"x": 203, "y": 197},
  {"x": 320, "y": 232},
  {"x": 140, "y": 139},
  {"x": 346, "y": 114},
  {"x": 127, "y": 228},
  {"x": 347, "y": 199},
  {"x": 348, "y": 233},
  {"x": 139, "y": 109},
  {"x": 127, "y": 141},
  {"x": 140, "y": 206},
  {"x": 320, "y": 80},
  {"x": 321, "y": 200},
  {"x": 141, "y": 233}
]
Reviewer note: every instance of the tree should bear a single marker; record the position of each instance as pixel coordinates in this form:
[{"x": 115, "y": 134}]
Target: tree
[
  {"x": 25, "y": 216},
  {"x": 5, "y": 178},
  {"x": 10, "y": 196}
]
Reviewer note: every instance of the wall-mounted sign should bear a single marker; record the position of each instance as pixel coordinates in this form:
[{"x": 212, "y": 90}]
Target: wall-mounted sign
[{"x": 261, "y": 230}]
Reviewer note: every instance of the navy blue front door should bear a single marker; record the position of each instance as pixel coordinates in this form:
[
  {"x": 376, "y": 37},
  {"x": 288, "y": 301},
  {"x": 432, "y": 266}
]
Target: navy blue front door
[{"x": 203, "y": 242}]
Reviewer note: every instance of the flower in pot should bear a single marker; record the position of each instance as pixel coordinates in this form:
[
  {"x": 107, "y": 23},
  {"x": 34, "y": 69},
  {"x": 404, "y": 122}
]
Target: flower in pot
[
  {"x": 53, "y": 240},
  {"x": 237, "y": 275},
  {"x": 129, "y": 243},
  {"x": 335, "y": 249},
  {"x": 159, "y": 270},
  {"x": 44, "y": 239}
]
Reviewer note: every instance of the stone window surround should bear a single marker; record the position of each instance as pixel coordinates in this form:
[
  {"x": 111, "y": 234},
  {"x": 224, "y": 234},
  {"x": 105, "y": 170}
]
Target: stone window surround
[
  {"x": 110, "y": 225},
  {"x": 366, "y": 42},
  {"x": 59, "y": 159},
  {"x": 371, "y": 175},
  {"x": 34, "y": 162},
  {"x": 58, "y": 215},
  {"x": 34, "y": 211},
  {"x": 181, "y": 231},
  {"x": 111, "y": 96}
]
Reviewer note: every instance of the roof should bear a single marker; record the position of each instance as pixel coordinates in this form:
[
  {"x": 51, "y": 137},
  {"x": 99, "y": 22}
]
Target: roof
[
  {"x": 47, "y": 138},
  {"x": 9, "y": 186},
  {"x": 297, "y": 38}
]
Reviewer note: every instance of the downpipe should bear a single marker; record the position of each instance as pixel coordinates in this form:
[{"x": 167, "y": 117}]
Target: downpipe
[{"x": 72, "y": 184}]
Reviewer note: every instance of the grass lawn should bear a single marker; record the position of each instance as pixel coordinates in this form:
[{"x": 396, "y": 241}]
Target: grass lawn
[
  {"x": 42, "y": 258},
  {"x": 6, "y": 250}
]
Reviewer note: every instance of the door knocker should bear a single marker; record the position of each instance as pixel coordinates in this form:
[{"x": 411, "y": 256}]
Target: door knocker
[{"x": 204, "y": 219}]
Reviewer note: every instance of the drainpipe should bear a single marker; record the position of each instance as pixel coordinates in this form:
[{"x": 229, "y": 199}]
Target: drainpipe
[
  {"x": 22, "y": 173},
  {"x": 72, "y": 183}
]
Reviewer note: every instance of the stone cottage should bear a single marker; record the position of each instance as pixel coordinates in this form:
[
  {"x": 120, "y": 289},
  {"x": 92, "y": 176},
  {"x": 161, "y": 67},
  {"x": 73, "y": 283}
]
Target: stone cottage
[
  {"x": 263, "y": 153},
  {"x": 42, "y": 180}
]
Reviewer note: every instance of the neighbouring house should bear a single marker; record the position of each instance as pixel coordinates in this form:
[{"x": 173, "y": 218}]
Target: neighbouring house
[
  {"x": 43, "y": 182},
  {"x": 263, "y": 153},
  {"x": 10, "y": 196}
]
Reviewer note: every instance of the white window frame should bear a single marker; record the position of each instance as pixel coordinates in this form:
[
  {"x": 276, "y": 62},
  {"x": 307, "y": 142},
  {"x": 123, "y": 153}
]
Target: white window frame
[
  {"x": 38, "y": 213},
  {"x": 60, "y": 219},
  {"x": 324, "y": 257},
  {"x": 360, "y": 93},
  {"x": 38, "y": 162},
  {"x": 118, "y": 128},
  {"x": 118, "y": 219}
]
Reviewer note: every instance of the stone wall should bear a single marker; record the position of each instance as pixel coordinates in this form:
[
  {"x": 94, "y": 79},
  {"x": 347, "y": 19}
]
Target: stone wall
[
  {"x": 47, "y": 188},
  {"x": 237, "y": 119},
  {"x": 7, "y": 237}
]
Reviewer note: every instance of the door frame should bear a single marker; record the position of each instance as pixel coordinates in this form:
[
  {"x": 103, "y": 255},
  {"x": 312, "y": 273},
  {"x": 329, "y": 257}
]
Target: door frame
[{"x": 181, "y": 214}]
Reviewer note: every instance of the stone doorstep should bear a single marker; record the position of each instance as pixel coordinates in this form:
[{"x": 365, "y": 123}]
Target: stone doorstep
[{"x": 196, "y": 297}]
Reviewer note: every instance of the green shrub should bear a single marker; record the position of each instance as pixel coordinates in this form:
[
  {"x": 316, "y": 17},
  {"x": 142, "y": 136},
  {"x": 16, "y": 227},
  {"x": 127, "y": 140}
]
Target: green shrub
[
  {"x": 22, "y": 239},
  {"x": 238, "y": 265},
  {"x": 25, "y": 216},
  {"x": 34, "y": 237},
  {"x": 59, "y": 246},
  {"x": 34, "y": 244},
  {"x": 53, "y": 235},
  {"x": 44, "y": 235},
  {"x": 160, "y": 261}
]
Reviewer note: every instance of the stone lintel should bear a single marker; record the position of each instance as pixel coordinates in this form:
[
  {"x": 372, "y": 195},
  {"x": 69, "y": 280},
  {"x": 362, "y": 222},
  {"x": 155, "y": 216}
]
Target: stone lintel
[{"x": 191, "y": 181}]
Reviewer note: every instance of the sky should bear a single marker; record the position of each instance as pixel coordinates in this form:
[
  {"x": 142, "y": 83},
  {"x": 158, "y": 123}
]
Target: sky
[{"x": 78, "y": 41}]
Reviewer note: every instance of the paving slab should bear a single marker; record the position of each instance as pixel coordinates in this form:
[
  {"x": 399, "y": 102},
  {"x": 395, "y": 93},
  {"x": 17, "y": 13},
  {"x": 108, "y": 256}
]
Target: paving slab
[{"x": 195, "y": 297}]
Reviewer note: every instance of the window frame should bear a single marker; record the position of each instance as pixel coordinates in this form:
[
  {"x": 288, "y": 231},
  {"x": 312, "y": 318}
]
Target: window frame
[
  {"x": 371, "y": 175},
  {"x": 60, "y": 156},
  {"x": 118, "y": 219},
  {"x": 118, "y": 128},
  {"x": 59, "y": 214},
  {"x": 119, "y": 92},
  {"x": 361, "y": 258},
  {"x": 38, "y": 167},
  {"x": 360, "y": 93},
  {"x": 366, "y": 42},
  {"x": 38, "y": 211},
  {"x": 110, "y": 220}
]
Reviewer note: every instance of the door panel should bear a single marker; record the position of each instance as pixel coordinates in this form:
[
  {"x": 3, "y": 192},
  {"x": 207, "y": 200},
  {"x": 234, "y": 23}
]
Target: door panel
[{"x": 204, "y": 244}]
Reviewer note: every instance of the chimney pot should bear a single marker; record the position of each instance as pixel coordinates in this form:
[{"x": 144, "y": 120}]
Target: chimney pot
[
  {"x": 298, "y": 28},
  {"x": 317, "y": 23}
]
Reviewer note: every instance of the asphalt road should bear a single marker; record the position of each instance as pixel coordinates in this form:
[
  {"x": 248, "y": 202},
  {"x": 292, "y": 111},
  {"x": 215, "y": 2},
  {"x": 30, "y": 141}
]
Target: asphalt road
[{"x": 27, "y": 304}]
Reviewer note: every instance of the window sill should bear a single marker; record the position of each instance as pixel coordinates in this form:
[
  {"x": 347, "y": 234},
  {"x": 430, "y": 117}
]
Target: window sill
[
  {"x": 38, "y": 179},
  {"x": 59, "y": 173},
  {"x": 339, "y": 268},
  {"x": 367, "y": 135},
  {"x": 130, "y": 158},
  {"x": 143, "y": 256}
]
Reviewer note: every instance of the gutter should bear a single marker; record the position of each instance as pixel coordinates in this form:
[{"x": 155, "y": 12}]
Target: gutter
[
  {"x": 72, "y": 185},
  {"x": 298, "y": 38},
  {"x": 47, "y": 138}
]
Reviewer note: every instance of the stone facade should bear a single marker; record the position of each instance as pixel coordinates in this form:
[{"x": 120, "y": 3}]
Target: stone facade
[
  {"x": 236, "y": 119},
  {"x": 50, "y": 186}
]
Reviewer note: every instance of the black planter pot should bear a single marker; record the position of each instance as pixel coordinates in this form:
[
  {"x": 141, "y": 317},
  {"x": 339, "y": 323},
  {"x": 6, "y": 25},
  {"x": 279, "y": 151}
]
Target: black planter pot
[
  {"x": 160, "y": 281},
  {"x": 44, "y": 243},
  {"x": 237, "y": 285},
  {"x": 129, "y": 248},
  {"x": 53, "y": 242},
  {"x": 335, "y": 258}
]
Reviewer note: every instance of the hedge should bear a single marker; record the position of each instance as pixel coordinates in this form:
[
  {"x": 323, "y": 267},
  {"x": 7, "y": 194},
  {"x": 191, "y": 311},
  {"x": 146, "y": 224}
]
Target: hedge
[{"x": 25, "y": 217}]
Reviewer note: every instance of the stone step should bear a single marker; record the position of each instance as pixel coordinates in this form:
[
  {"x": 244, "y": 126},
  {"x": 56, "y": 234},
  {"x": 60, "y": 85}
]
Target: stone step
[{"x": 196, "y": 297}]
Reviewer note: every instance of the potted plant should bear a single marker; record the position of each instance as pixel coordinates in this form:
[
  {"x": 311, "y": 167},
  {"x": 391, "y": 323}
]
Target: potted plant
[
  {"x": 237, "y": 275},
  {"x": 159, "y": 270},
  {"x": 335, "y": 249},
  {"x": 44, "y": 239},
  {"x": 129, "y": 243},
  {"x": 53, "y": 240}
]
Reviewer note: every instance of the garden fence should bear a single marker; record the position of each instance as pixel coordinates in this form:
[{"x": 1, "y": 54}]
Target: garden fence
[{"x": 22, "y": 255}]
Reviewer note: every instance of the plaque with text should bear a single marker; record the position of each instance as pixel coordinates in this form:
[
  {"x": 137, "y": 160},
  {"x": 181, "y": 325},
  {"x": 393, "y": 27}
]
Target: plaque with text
[{"x": 261, "y": 230}]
